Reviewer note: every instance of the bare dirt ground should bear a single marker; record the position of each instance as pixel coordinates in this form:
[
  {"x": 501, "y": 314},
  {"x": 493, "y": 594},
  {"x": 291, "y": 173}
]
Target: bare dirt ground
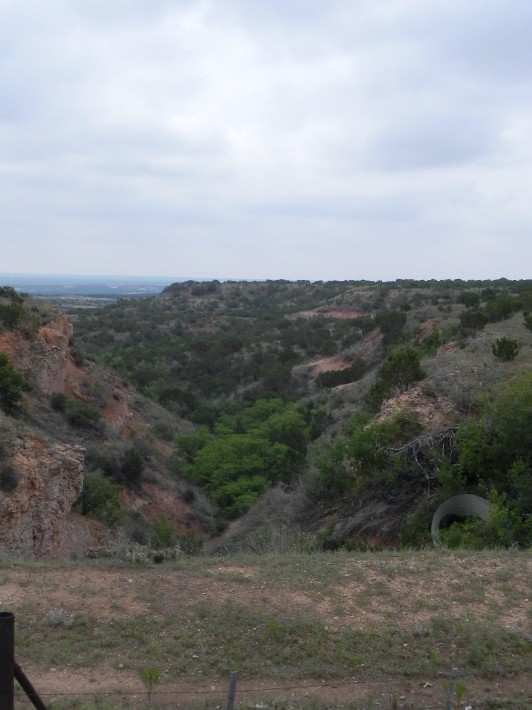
[
  {"x": 338, "y": 314},
  {"x": 363, "y": 592},
  {"x": 329, "y": 364}
]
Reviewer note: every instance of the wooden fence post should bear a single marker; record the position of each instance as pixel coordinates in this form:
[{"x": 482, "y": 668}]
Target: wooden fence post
[
  {"x": 7, "y": 660},
  {"x": 452, "y": 686},
  {"x": 232, "y": 691}
]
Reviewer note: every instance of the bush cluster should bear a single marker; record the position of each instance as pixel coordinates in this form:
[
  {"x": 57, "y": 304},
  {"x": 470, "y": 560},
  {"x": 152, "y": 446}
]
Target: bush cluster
[
  {"x": 77, "y": 412},
  {"x": 401, "y": 369}
]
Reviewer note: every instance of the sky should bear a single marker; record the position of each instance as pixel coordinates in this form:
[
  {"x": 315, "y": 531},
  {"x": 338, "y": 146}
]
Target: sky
[{"x": 297, "y": 139}]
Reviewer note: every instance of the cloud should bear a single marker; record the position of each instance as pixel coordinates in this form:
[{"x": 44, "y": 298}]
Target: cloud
[{"x": 265, "y": 139}]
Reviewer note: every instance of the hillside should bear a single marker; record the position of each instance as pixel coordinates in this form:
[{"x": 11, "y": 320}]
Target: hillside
[
  {"x": 334, "y": 417},
  {"x": 333, "y": 409},
  {"x": 75, "y": 436}
]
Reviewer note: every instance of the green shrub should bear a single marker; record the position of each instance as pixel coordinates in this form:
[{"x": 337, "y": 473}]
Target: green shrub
[
  {"x": 163, "y": 533},
  {"x": 12, "y": 386},
  {"x": 10, "y": 293},
  {"x": 77, "y": 355},
  {"x": 402, "y": 426},
  {"x": 83, "y": 414},
  {"x": 472, "y": 320},
  {"x": 503, "y": 528},
  {"x": 505, "y": 349},
  {"x": 501, "y": 307},
  {"x": 11, "y": 315},
  {"x": 59, "y": 401},
  {"x": 401, "y": 368},
  {"x": 469, "y": 299},
  {"x": 9, "y": 478},
  {"x": 100, "y": 499},
  {"x": 125, "y": 466},
  {"x": 132, "y": 467},
  {"x": 391, "y": 324}
]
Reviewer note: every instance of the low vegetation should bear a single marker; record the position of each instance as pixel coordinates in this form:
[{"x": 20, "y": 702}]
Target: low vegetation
[{"x": 397, "y": 620}]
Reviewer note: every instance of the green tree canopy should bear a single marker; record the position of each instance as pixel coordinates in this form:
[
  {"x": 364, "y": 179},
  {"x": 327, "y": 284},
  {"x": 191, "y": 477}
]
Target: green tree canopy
[{"x": 261, "y": 445}]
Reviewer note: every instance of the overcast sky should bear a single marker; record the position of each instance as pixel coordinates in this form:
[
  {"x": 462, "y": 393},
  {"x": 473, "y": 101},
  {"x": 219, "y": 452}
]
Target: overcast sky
[{"x": 312, "y": 139}]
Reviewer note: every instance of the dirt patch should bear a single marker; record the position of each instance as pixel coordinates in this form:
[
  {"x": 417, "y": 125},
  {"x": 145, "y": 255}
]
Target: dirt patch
[
  {"x": 329, "y": 364},
  {"x": 160, "y": 500},
  {"x": 427, "y": 328},
  {"x": 117, "y": 412},
  {"x": 337, "y": 314},
  {"x": 79, "y": 591},
  {"x": 345, "y": 315},
  {"x": 74, "y": 376},
  {"x": 79, "y": 534}
]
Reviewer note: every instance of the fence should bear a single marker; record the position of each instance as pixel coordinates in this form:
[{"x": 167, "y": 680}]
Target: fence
[{"x": 11, "y": 671}]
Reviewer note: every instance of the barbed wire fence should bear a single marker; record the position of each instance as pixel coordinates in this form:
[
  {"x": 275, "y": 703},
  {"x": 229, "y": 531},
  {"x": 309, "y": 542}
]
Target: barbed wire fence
[
  {"x": 26, "y": 696},
  {"x": 217, "y": 698}
]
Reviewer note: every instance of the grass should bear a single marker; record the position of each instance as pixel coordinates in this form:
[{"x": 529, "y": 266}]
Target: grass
[{"x": 328, "y": 616}]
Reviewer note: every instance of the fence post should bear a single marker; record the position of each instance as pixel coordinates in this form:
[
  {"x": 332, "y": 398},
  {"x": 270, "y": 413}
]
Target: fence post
[
  {"x": 7, "y": 660},
  {"x": 28, "y": 688},
  {"x": 232, "y": 691},
  {"x": 452, "y": 686}
]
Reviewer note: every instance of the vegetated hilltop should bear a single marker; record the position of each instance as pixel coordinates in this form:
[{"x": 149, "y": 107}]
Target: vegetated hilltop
[
  {"x": 73, "y": 434},
  {"x": 342, "y": 410}
]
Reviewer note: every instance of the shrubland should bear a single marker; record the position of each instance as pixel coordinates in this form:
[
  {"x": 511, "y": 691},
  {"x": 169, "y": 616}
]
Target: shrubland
[
  {"x": 364, "y": 404},
  {"x": 286, "y": 384}
]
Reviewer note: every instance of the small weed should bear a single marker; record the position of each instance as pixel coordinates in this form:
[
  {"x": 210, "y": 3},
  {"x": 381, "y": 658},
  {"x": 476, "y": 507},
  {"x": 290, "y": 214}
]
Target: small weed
[
  {"x": 151, "y": 677},
  {"x": 434, "y": 661},
  {"x": 460, "y": 690}
]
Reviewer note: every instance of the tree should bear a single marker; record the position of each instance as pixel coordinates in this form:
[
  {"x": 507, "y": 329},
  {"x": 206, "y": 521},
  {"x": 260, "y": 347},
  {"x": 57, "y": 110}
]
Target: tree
[
  {"x": 12, "y": 385},
  {"x": 290, "y": 429},
  {"x": 400, "y": 369},
  {"x": 497, "y": 449},
  {"x": 469, "y": 299},
  {"x": 188, "y": 445},
  {"x": 391, "y": 324}
]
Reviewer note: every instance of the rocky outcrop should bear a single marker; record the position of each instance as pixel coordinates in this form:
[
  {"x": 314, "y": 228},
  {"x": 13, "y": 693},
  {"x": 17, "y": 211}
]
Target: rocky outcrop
[
  {"x": 434, "y": 413},
  {"x": 32, "y": 515},
  {"x": 43, "y": 357}
]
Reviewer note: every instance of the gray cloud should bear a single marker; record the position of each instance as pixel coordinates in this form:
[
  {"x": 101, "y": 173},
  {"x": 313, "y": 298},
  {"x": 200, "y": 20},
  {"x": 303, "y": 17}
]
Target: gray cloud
[{"x": 295, "y": 139}]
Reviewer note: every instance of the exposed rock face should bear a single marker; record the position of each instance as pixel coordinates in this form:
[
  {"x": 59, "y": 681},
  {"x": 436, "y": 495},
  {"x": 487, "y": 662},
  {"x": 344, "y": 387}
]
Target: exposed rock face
[
  {"x": 42, "y": 358},
  {"x": 32, "y": 516},
  {"x": 433, "y": 413}
]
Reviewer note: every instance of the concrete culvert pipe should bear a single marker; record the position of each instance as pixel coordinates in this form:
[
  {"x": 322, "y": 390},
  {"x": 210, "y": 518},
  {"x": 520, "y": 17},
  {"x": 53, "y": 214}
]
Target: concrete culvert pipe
[{"x": 459, "y": 507}]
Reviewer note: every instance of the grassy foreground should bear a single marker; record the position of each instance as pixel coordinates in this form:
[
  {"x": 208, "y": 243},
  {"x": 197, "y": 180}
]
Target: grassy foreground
[{"x": 333, "y": 630}]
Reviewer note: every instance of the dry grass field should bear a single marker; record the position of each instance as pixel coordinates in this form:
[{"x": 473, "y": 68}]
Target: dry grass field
[{"x": 323, "y": 630}]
